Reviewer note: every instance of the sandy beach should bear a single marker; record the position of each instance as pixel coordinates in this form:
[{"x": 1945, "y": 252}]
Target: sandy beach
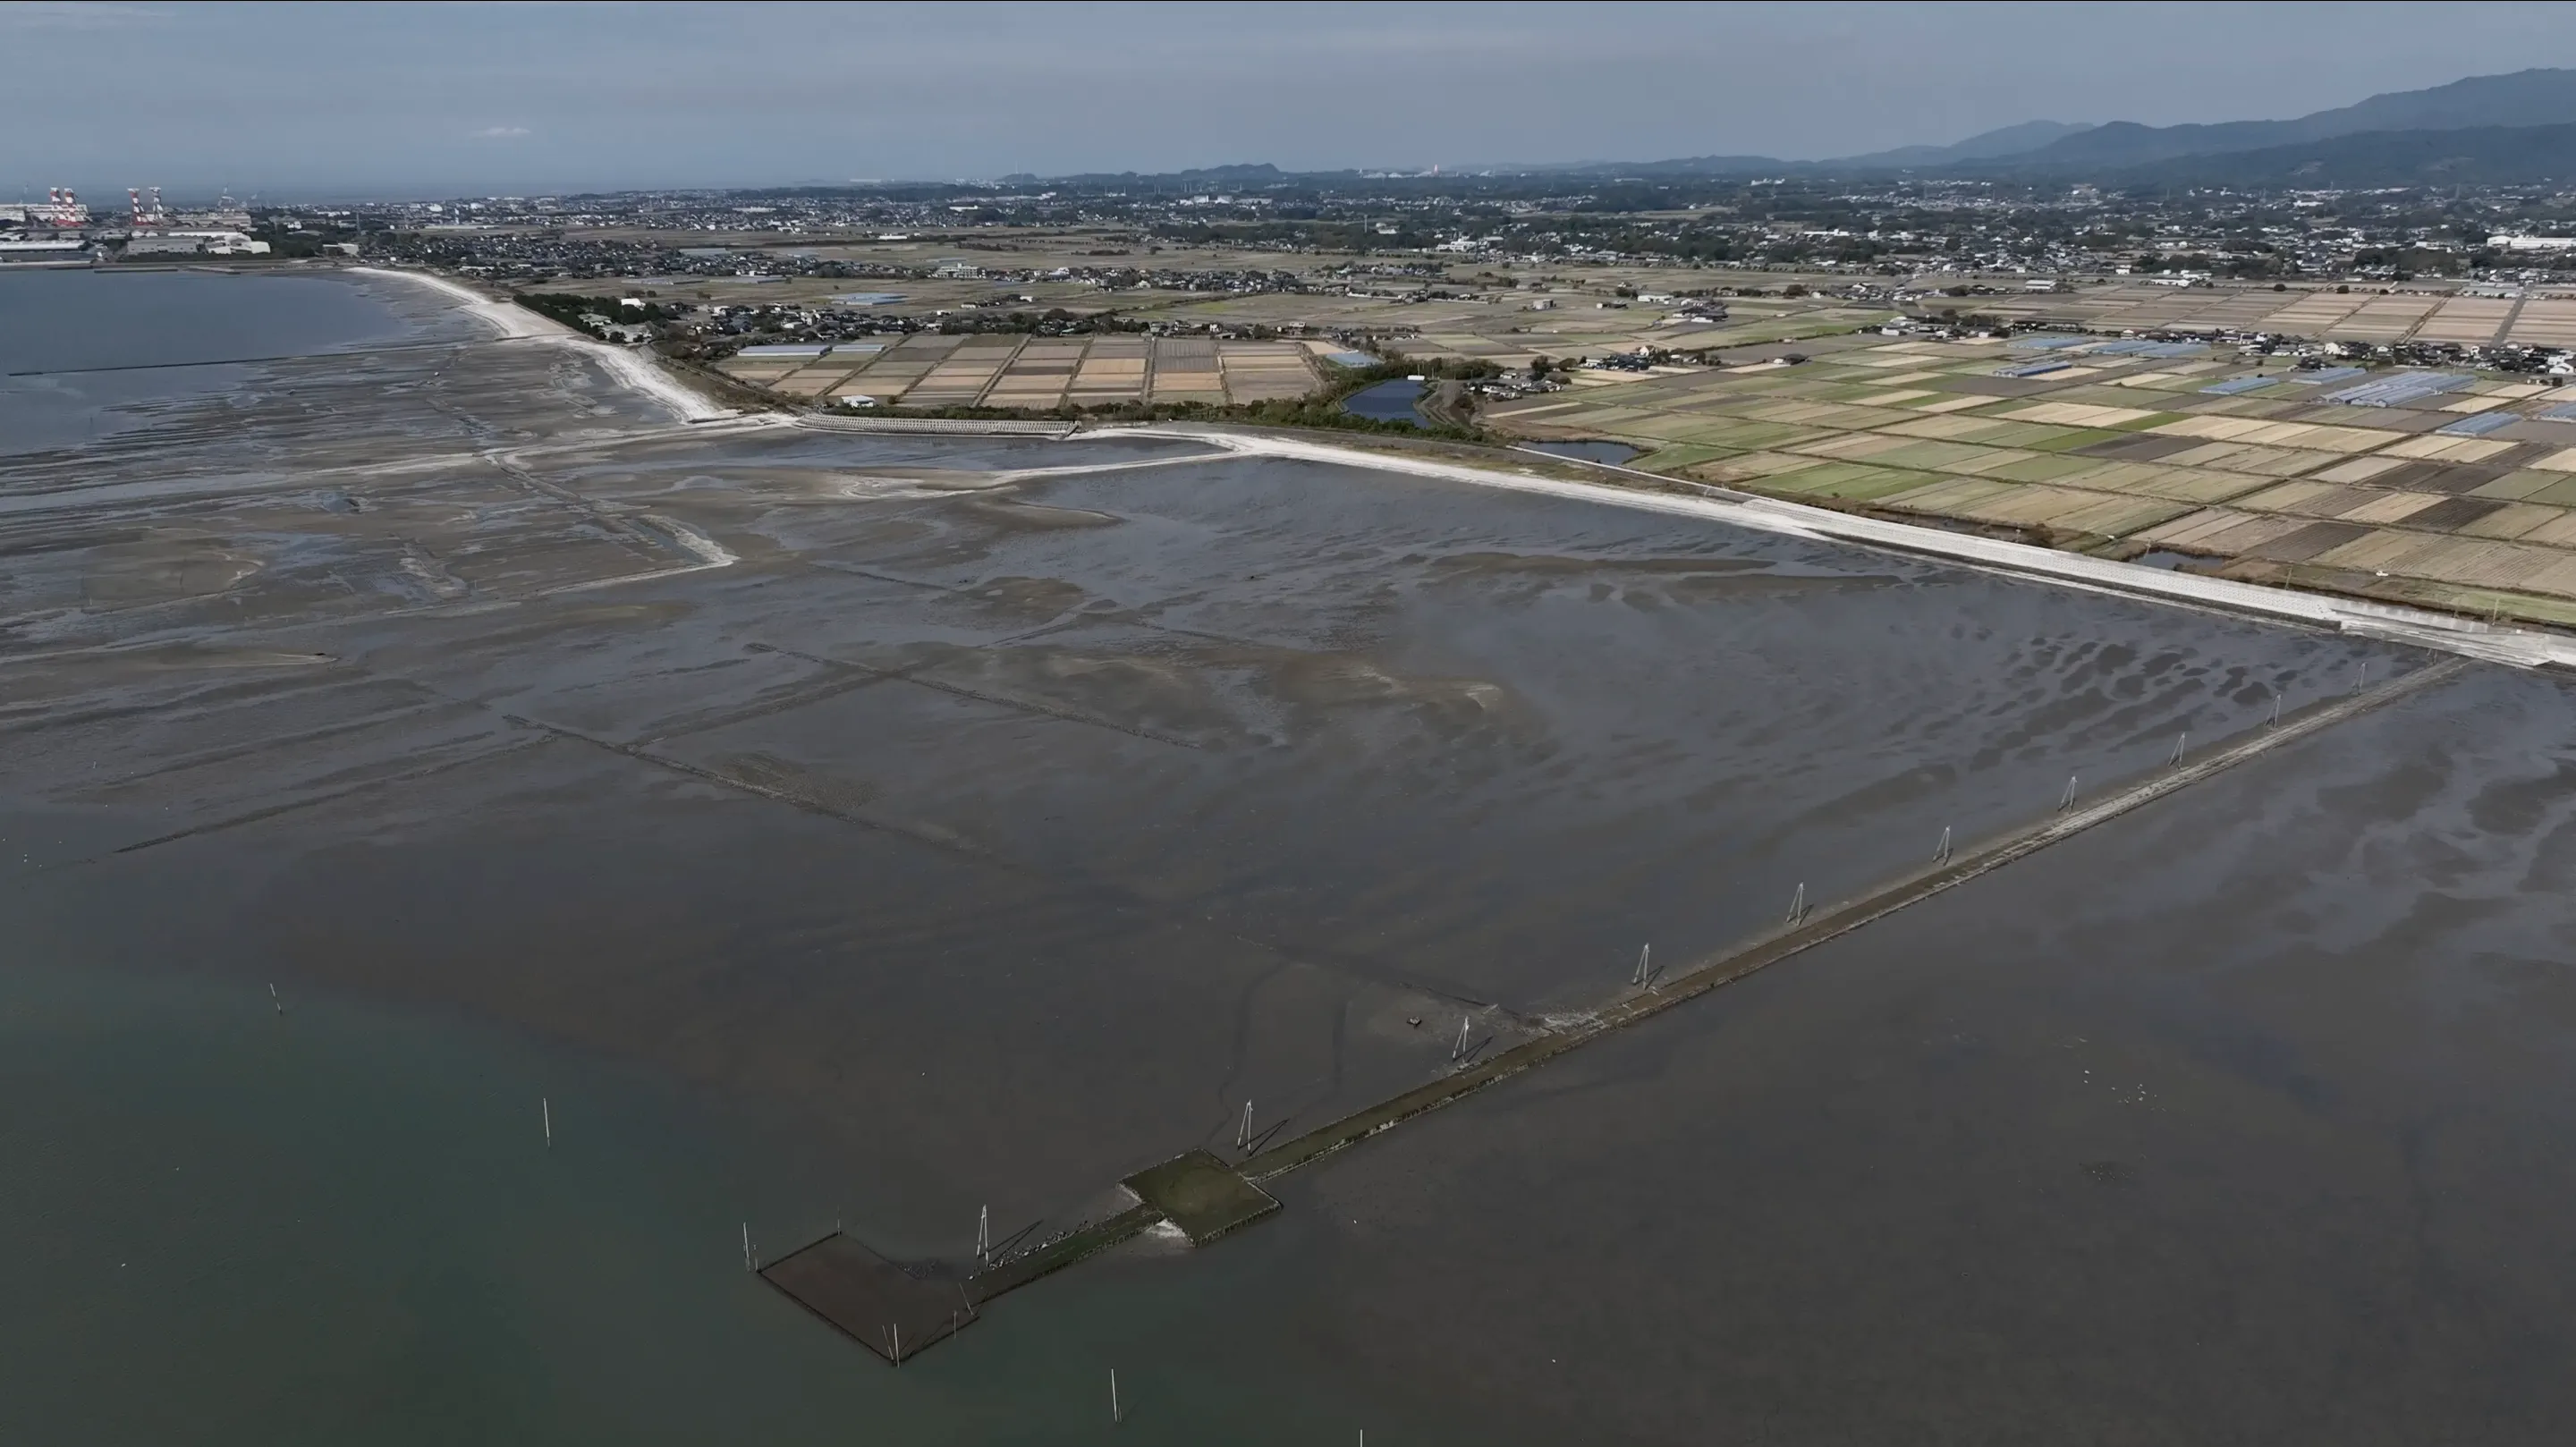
[{"x": 517, "y": 323}]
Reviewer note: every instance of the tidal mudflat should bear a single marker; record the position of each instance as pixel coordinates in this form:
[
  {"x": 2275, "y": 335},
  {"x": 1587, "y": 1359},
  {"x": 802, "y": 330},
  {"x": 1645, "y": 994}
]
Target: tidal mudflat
[
  {"x": 972, "y": 822},
  {"x": 2242, "y": 1120}
]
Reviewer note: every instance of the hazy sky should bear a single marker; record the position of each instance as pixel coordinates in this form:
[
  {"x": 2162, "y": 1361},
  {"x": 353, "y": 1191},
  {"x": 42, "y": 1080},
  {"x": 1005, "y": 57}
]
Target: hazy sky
[{"x": 476, "y": 98}]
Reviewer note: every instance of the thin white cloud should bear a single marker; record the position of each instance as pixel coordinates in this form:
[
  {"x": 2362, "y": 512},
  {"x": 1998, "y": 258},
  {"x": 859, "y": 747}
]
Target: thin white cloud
[
  {"x": 49, "y": 15},
  {"x": 500, "y": 133}
]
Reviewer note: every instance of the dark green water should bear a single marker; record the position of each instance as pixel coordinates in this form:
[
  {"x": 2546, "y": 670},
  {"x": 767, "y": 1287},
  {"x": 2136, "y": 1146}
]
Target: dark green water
[{"x": 337, "y": 1225}]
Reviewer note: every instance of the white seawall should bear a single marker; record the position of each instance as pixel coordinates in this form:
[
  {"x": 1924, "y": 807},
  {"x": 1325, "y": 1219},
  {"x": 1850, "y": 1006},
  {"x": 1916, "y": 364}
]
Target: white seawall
[{"x": 2422, "y": 628}]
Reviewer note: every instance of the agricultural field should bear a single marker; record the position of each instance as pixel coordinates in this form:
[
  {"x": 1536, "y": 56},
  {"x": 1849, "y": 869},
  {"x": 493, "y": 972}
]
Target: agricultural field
[
  {"x": 1035, "y": 374},
  {"x": 2364, "y": 314},
  {"x": 2451, "y": 489}
]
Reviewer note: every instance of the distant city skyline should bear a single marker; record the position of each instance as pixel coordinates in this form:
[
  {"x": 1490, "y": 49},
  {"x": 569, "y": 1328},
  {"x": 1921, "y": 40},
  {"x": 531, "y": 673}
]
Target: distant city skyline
[{"x": 488, "y": 99}]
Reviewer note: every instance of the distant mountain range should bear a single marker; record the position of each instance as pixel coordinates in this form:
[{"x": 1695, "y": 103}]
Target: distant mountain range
[
  {"x": 2485, "y": 130},
  {"x": 2010, "y": 141},
  {"x": 2485, "y": 102},
  {"x": 2469, "y": 156}
]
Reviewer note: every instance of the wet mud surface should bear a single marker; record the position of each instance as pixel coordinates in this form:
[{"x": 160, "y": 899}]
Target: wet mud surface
[
  {"x": 2241, "y": 1121},
  {"x": 998, "y": 816},
  {"x": 1021, "y": 830}
]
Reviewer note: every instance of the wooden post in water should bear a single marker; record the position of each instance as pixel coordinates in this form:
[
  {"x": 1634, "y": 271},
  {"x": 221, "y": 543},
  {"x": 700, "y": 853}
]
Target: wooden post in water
[
  {"x": 1115, "y": 1415},
  {"x": 546, "y": 1113}
]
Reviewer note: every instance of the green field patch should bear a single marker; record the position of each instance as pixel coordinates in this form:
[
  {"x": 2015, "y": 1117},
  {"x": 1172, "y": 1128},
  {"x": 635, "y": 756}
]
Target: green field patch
[
  {"x": 2198, "y": 486},
  {"x": 2120, "y": 516},
  {"x": 1852, "y": 480},
  {"x": 1843, "y": 391},
  {"x": 1957, "y": 428},
  {"x": 1731, "y": 409},
  {"x": 1827, "y": 475},
  {"x": 1595, "y": 417},
  {"x": 2094, "y": 394},
  {"x": 1677, "y": 456},
  {"x": 2069, "y": 439},
  {"x": 1870, "y": 419},
  {"x": 1730, "y": 432},
  {"x": 1952, "y": 494},
  {"x": 1786, "y": 382},
  {"x": 1202, "y": 1195},
  {"x": 2483, "y": 601},
  {"x": 1751, "y": 436},
  {"x": 1935, "y": 456},
  {"x": 2515, "y": 486},
  {"x": 1663, "y": 426},
  {"x": 1997, "y": 432},
  {"x": 1763, "y": 379},
  {"x": 1887, "y": 483},
  {"x": 1838, "y": 415},
  {"x": 1761, "y": 464},
  {"x": 2047, "y": 467}
]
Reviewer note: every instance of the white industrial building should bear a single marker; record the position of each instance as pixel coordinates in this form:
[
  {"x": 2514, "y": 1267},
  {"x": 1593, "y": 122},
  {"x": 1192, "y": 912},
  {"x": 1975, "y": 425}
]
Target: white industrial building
[
  {"x": 193, "y": 243},
  {"x": 66, "y": 251},
  {"x": 2509, "y": 242}
]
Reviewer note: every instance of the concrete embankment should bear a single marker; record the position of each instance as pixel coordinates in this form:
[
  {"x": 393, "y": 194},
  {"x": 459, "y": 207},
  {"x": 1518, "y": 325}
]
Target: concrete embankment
[{"x": 940, "y": 426}]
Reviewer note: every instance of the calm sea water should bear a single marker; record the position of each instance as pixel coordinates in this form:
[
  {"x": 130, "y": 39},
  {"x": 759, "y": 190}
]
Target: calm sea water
[{"x": 66, "y": 324}]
